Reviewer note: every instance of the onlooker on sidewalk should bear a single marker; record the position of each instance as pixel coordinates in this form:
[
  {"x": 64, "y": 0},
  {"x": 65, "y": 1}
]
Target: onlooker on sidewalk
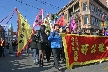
[
  {"x": 2, "y": 46},
  {"x": 10, "y": 47}
]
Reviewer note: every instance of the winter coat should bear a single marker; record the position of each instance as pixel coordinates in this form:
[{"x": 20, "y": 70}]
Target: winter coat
[
  {"x": 41, "y": 37},
  {"x": 55, "y": 39}
]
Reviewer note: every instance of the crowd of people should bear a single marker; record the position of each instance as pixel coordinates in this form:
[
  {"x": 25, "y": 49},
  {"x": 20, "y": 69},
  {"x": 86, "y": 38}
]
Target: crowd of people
[
  {"x": 11, "y": 46},
  {"x": 46, "y": 43}
]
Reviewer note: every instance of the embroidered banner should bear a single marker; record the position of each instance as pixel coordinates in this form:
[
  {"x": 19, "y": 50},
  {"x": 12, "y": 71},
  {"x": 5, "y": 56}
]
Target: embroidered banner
[
  {"x": 82, "y": 50},
  {"x": 24, "y": 33}
]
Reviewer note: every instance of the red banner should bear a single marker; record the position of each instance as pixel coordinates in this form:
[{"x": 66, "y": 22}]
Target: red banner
[{"x": 82, "y": 50}]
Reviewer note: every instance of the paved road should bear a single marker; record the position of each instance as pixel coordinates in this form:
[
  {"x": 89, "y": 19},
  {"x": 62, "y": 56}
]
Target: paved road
[{"x": 24, "y": 63}]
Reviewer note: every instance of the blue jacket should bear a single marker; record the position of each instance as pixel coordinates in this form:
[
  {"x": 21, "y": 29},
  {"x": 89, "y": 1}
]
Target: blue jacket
[{"x": 56, "y": 40}]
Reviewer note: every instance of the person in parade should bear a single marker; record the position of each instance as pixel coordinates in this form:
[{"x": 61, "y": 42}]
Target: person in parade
[
  {"x": 68, "y": 30},
  {"x": 28, "y": 48},
  {"x": 42, "y": 40},
  {"x": 34, "y": 47},
  {"x": 106, "y": 32},
  {"x": 2, "y": 46},
  {"x": 48, "y": 48},
  {"x": 88, "y": 32},
  {"x": 97, "y": 32},
  {"x": 56, "y": 44}
]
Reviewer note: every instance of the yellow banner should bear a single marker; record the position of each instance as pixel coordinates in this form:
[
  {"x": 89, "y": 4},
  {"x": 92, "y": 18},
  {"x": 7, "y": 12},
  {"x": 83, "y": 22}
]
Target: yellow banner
[{"x": 24, "y": 32}]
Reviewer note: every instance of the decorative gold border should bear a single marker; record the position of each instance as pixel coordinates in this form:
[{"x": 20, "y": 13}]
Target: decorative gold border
[
  {"x": 19, "y": 22},
  {"x": 66, "y": 53},
  {"x": 78, "y": 63},
  {"x": 63, "y": 34}
]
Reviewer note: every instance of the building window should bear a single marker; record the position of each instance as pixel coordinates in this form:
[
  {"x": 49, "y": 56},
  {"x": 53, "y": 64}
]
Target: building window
[
  {"x": 86, "y": 19},
  {"x": 91, "y": 7},
  {"x": 105, "y": 18},
  {"x": 96, "y": 10},
  {"x": 65, "y": 16},
  {"x": 85, "y": 6},
  {"x": 100, "y": 13},
  {"x": 97, "y": 22},
  {"x": 92, "y": 20}
]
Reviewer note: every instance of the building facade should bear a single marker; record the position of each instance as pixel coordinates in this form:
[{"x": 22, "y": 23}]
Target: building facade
[
  {"x": 2, "y": 32},
  {"x": 87, "y": 13}
]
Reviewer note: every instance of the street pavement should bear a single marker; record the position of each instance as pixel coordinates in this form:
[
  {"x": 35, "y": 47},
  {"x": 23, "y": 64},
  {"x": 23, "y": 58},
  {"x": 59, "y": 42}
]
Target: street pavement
[{"x": 24, "y": 63}]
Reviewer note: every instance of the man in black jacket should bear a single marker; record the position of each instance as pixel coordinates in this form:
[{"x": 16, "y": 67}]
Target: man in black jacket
[
  {"x": 42, "y": 40},
  {"x": 33, "y": 45},
  {"x": 48, "y": 48}
]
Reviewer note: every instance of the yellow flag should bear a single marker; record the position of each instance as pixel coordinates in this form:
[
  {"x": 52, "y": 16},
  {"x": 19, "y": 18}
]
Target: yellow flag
[{"x": 24, "y": 32}]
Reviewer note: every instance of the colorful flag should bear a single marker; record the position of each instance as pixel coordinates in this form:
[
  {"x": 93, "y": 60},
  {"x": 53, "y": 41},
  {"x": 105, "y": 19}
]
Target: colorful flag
[
  {"x": 38, "y": 19},
  {"x": 61, "y": 21},
  {"x": 72, "y": 24},
  {"x": 24, "y": 33},
  {"x": 47, "y": 22},
  {"x": 10, "y": 27}
]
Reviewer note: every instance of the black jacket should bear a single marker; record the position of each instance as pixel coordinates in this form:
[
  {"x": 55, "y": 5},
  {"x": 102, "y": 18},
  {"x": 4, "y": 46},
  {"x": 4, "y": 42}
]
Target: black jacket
[
  {"x": 48, "y": 45},
  {"x": 33, "y": 44},
  {"x": 41, "y": 37}
]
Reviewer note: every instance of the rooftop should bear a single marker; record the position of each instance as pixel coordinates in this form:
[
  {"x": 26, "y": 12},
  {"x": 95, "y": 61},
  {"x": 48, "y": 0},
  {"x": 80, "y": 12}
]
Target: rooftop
[{"x": 97, "y": 1}]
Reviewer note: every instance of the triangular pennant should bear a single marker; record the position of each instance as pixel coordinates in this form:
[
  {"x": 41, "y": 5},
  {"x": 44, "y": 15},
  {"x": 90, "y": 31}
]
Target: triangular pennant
[{"x": 38, "y": 19}]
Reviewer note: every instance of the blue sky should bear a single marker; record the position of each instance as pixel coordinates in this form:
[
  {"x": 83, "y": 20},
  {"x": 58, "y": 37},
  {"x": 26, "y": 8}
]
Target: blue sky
[{"x": 28, "y": 11}]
